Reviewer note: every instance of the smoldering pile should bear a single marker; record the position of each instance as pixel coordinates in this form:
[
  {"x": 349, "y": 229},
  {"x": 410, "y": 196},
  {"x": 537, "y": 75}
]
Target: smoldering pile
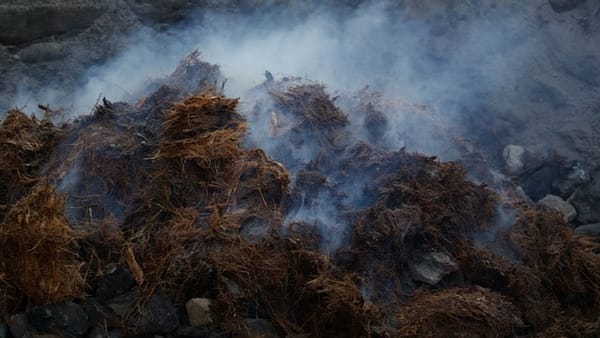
[{"x": 161, "y": 218}]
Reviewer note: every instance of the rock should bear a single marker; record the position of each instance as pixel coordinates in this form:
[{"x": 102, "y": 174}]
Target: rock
[
  {"x": 100, "y": 313},
  {"x": 560, "y": 6},
  {"x": 257, "y": 327},
  {"x": 68, "y": 318},
  {"x": 537, "y": 155},
  {"x": 586, "y": 201},
  {"x": 555, "y": 203},
  {"x": 116, "y": 281},
  {"x": 19, "y": 327},
  {"x": 103, "y": 332},
  {"x": 569, "y": 177},
  {"x": 198, "y": 310},
  {"x": 514, "y": 157},
  {"x": 588, "y": 229},
  {"x": 539, "y": 183},
  {"x": 432, "y": 267},
  {"x": 3, "y": 329},
  {"x": 159, "y": 315},
  {"x": 122, "y": 303},
  {"x": 190, "y": 331}
]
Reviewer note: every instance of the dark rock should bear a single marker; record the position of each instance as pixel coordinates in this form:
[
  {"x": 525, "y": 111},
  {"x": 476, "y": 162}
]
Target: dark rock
[
  {"x": 560, "y": 6},
  {"x": 190, "y": 331},
  {"x": 555, "y": 178},
  {"x": 539, "y": 183},
  {"x": 588, "y": 229},
  {"x": 257, "y": 327},
  {"x": 569, "y": 177},
  {"x": 100, "y": 313},
  {"x": 2, "y": 329},
  {"x": 69, "y": 319},
  {"x": 537, "y": 155},
  {"x": 122, "y": 303},
  {"x": 19, "y": 327},
  {"x": 116, "y": 281},
  {"x": 586, "y": 201},
  {"x": 159, "y": 315}
]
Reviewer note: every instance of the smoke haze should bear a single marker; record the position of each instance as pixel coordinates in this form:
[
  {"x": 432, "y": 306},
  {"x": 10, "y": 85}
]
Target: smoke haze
[{"x": 436, "y": 69}]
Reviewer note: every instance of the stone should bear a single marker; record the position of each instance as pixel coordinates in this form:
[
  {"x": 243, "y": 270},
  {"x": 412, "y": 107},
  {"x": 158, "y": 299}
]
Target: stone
[
  {"x": 514, "y": 157},
  {"x": 196, "y": 332},
  {"x": 258, "y": 327},
  {"x": 539, "y": 183},
  {"x": 159, "y": 315},
  {"x": 588, "y": 230},
  {"x": 68, "y": 318},
  {"x": 98, "y": 312},
  {"x": 431, "y": 268},
  {"x": 122, "y": 303},
  {"x": 586, "y": 200},
  {"x": 2, "y": 329},
  {"x": 19, "y": 327},
  {"x": 198, "y": 310},
  {"x": 116, "y": 281},
  {"x": 538, "y": 154},
  {"x": 555, "y": 203},
  {"x": 560, "y": 6},
  {"x": 569, "y": 177}
]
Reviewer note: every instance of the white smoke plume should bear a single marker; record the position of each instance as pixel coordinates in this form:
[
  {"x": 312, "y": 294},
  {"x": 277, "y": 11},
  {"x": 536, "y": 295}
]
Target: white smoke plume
[{"x": 433, "y": 64}]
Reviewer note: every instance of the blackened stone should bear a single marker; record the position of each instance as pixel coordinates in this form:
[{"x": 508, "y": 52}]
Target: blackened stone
[
  {"x": 116, "y": 281},
  {"x": 69, "y": 319},
  {"x": 586, "y": 201},
  {"x": 19, "y": 327},
  {"x": 539, "y": 183},
  {"x": 190, "y": 331},
  {"x": 159, "y": 315},
  {"x": 570, "y": 177},
  {"x": 100, "y": 313},
  {"x": 122, "y": 303},
  {"x": 588, "y": 230},
  {"x": 3, "y": 329}
]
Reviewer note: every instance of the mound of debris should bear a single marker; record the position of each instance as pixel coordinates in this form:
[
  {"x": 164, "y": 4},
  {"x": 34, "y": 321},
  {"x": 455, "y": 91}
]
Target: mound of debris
[{"x": 163, "y": 217}]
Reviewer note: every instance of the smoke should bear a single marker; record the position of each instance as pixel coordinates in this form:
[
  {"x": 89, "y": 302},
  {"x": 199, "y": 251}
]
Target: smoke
[{"x": 428, "y": 64}]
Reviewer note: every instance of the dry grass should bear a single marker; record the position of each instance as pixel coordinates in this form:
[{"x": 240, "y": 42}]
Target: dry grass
[
  {"x": 39, "y": 249},
  {"x": 468, "y": 312}
]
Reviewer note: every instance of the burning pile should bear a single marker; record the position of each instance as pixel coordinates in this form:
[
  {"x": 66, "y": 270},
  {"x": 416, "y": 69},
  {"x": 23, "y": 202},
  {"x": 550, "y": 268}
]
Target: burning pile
[{"x": 137, "y": 210}]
